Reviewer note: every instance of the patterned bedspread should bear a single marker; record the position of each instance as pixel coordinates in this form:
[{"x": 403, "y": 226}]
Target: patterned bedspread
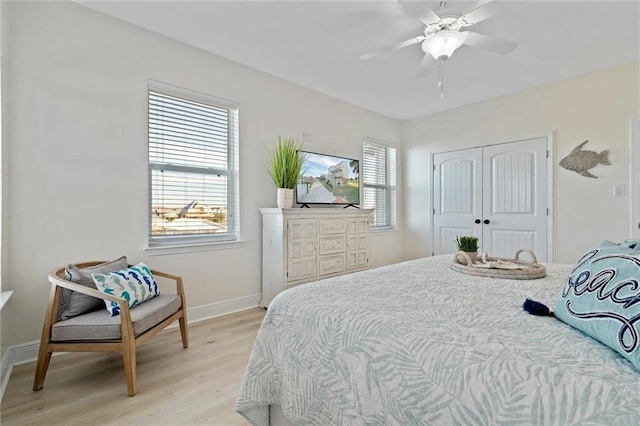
[{"x": 417, "y": 343}]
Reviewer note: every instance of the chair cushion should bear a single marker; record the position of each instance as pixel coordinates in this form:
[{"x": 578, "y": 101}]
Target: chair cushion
[
  {"x": 135, "y": 284},
  {"x": 100, "y": 325},
  {"x": 74, "y": 303}
]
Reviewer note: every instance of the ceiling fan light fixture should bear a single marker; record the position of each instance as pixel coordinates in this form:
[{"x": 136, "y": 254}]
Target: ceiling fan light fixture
[{"x": 442, "y": 44}]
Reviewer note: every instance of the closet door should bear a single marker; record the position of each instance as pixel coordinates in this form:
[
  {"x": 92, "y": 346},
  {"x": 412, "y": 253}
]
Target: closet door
[
  {"x": 514, "y": 205},
  {"x": 497, "y": 193},
  {"x": 457, "y": 198}
]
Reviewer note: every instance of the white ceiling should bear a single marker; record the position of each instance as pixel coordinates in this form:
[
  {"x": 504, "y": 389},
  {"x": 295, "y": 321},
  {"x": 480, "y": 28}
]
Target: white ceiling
[{"x": 317, "y": 44}]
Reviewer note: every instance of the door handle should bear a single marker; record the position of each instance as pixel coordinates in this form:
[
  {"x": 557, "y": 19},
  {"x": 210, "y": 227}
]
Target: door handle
[
  {"x": 487, "y": 221},
  {"x": 477, "y": 221}
]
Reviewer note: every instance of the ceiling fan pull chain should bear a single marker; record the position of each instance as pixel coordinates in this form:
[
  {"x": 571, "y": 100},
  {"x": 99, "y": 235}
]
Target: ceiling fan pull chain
[{"x": 441, "y": 78}]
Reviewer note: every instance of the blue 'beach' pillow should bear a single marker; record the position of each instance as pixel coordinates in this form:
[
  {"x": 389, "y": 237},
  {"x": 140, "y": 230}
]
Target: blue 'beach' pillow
[{"x": 601, "y": 298}]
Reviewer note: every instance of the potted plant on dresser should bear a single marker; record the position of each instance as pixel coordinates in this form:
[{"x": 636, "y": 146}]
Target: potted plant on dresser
[
  {"x": 285, "y": 164},
  {"x": 469, "y": 245}
]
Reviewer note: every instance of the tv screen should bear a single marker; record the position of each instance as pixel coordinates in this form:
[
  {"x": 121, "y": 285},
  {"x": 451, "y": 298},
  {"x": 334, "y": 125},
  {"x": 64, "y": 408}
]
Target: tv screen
[{"x": 326, "y": 179}]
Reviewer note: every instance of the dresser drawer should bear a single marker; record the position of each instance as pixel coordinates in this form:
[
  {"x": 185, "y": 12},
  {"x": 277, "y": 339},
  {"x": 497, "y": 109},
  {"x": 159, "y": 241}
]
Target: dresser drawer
[
  {"x": 330, "y": 245},
  {"x": 357, "y": 242},
  {"x": 357, "y": 260},
  {"x": 301, "y": 228},
  {"x": 357, "y": 225},
  {"x": 330, "y": 265},
  {"x": 329, "y": 226}
]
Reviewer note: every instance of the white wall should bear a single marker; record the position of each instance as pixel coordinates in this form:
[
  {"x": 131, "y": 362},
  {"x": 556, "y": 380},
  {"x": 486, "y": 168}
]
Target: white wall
[
  {"x": 4, "y": 25},
  {"x": 77, "y": 152},
  {"x": 595, "y": 107},
  {"x": 3, "y": 30}
]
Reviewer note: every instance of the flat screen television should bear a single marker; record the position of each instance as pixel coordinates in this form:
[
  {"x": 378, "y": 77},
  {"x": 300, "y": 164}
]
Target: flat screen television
[{"x": 326, "y": 179}]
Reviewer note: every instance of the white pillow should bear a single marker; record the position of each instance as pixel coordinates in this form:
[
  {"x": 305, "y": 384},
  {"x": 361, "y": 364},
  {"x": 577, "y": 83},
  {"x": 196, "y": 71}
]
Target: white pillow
[{"x": 135, "y": 284}]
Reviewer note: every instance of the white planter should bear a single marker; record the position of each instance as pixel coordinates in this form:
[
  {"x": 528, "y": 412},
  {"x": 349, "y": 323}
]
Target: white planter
[
  {"x": 285, "y": 198},
  {"x": 473, "y": 255}
]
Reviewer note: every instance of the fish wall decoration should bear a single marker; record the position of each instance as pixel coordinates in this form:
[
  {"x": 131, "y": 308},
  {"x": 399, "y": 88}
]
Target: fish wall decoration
[{"x": 581, "y": 161}]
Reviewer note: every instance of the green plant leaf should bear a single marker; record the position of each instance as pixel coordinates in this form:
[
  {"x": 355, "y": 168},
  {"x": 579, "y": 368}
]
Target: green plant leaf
[
  {"x": 467, "y": 243},
  {"x": 285, "y": 162}
]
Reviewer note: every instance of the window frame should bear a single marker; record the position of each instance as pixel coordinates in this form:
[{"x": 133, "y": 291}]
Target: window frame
[
  {"x": 389, "y": 188},
  {"x": 231, "y": 172}
]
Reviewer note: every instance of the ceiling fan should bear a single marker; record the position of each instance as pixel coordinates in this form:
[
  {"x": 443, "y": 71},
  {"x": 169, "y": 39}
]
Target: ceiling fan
[{"x": 444, "y": 32}]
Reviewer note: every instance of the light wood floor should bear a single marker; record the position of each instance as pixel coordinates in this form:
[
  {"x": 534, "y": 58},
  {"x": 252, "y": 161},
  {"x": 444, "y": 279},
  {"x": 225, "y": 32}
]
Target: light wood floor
[{"x": 176, "y": 386}]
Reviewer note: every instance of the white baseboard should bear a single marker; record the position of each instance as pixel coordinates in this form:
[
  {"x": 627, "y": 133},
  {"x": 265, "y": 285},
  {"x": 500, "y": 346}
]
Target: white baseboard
[
  {"x": 23, "y": 353},
  {"x": 16, "y": 355},
  {"x": 5, "y": 372},
  {"x": 205, "y": 312}
]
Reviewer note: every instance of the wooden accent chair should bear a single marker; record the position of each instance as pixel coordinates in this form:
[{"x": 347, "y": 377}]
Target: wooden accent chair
[{"x": 98, "y": 331}]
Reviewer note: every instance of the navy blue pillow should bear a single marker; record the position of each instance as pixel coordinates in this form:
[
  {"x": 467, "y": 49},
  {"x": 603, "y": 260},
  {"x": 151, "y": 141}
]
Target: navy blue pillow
[
  {"x": 601, "y": 298},
  {"x": 634, "y": 244}
]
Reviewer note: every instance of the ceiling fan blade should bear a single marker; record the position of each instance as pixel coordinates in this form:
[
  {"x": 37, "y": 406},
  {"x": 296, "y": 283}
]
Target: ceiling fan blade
[
  {"x": 425, "y": 65},
  {"x": 420, "y": 11},
  {"x": 481, "y": 11},
  {"x": 493, "y": 44},
  {"x": 391, "y": 48}
]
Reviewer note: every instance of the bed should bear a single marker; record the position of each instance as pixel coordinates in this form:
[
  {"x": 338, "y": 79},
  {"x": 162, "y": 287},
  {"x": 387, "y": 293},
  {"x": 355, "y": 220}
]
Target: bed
[{"x": 417, "y": 343}]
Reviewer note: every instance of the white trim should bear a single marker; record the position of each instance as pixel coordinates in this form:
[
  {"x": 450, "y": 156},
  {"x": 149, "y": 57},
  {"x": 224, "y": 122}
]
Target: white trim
[
  {"x": 5, "y": 372},
  {"x": 191, "y": 248},
  {"x": 634, "y": 180},
  {"x": 193, "y": 95},
  {"x": 390, "y": 190},
  {"x": 218, "y": 309},
  {"x": 23, "y": 353},
  {"x": 550, "y": 180},
  {"x": 4, "y": 297},
  {"x": 502, "y": 141},
  {"x": 379, "y": 142},
  {"x": 431, "y": 213},
  {"x": 384, "y": 230},
  {"x": 16, "y": 355}
]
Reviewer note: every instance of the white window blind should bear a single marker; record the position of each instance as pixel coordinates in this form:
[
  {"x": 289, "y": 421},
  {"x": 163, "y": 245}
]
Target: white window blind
[
  {"x": 379, "y": 182},
  {"x": 192, "y": 167}
]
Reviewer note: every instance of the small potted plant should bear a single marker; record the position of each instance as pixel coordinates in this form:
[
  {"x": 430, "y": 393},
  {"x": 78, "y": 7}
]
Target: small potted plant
[
  {"x": 285, "y": 164},
  {"x": 469, "y": 245}
]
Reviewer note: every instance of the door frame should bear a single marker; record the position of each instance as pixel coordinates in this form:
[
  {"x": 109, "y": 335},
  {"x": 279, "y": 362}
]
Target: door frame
[
  {"x": 634, "y": 181},
  {"x": 549, "y": 181}
]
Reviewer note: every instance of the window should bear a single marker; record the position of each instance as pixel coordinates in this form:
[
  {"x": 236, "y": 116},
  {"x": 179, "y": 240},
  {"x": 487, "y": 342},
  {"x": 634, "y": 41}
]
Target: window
[
  {"x": 193, "y": 167},
  {"x": 379, "y": 182}
]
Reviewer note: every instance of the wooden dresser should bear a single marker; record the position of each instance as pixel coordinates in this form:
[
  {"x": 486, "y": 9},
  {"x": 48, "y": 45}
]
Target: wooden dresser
[{"x": 302, "y": 245}]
